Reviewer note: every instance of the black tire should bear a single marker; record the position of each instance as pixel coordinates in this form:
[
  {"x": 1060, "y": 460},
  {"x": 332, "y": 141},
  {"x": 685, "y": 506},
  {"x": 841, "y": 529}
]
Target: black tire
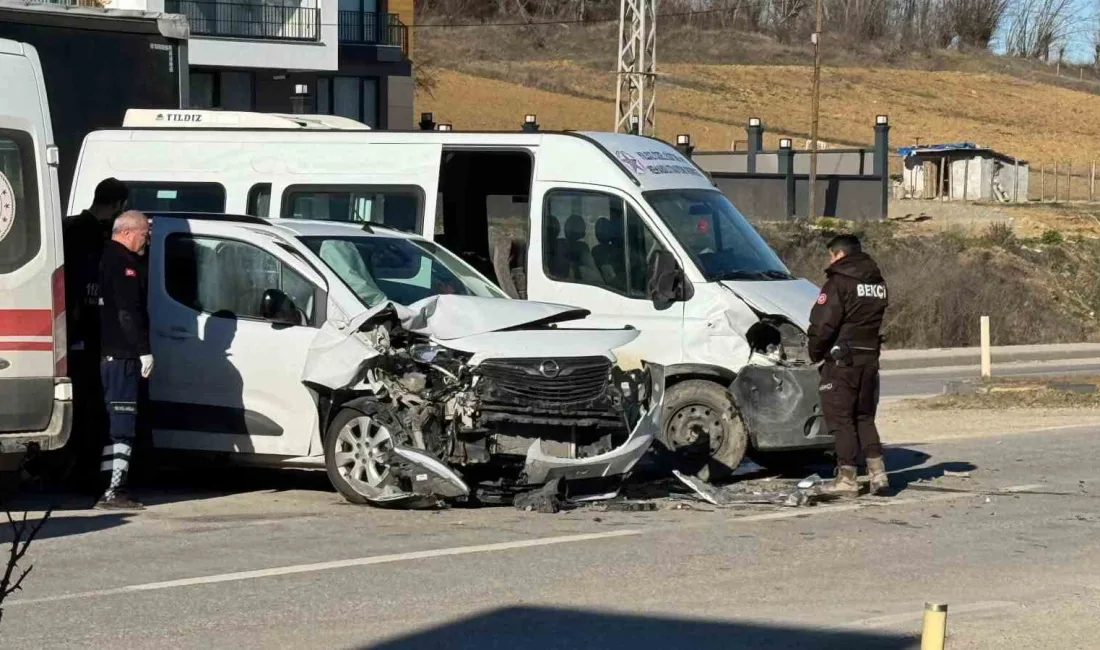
[
  {"x": 384, "y": 415},
  {"x": 701, "y": 431}
]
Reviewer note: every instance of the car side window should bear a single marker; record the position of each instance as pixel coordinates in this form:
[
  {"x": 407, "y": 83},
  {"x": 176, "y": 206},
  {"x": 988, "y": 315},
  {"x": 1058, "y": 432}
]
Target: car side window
[
  {"x": 216, "y": 275},
  {"x": 596, "y": 239}
]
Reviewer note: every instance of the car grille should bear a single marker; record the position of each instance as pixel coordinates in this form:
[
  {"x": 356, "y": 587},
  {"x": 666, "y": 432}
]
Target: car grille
[{"x": 576, "y": 380}]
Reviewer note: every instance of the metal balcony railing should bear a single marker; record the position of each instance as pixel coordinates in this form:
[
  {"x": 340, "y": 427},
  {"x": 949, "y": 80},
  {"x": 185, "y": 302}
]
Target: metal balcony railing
[
  {"x": 256, "y": 20},
  {"x": 370, "y": 28}
]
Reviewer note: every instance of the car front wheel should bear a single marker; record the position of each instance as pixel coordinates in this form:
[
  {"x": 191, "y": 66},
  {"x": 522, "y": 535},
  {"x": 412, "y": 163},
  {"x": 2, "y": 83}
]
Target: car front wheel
[
  {"x": 702, "y": 431},
  {"x": 356, "y": 445}
]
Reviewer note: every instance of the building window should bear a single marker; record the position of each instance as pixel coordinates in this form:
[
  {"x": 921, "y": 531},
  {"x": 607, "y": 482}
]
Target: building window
[
  {"x": 236, "y": 91},
  {"x": 345, "y": 97},
  {"x": 229, "y": 90},
  {"x": 370, "y": 102},
  {"x": 203, "y": 92},
  {"x": 355, "y": 98}
]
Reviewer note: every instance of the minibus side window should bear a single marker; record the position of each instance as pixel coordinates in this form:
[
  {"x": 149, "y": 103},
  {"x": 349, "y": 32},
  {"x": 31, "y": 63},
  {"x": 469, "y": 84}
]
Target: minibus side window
[
  {"x": 20, "y": 218},
  {"x": 259, "y": 200},
  {"x": 596, "y": 239},
  {"x": 399, "y": 207},
  {"x": 152, "y": 196}
]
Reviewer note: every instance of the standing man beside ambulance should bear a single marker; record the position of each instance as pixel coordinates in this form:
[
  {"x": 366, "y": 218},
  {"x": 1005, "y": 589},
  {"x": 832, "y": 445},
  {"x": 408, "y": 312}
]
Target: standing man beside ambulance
[
  {"x": 846, "y": 337},
  {"x": 127, "y": 356},
  {"x": 85, "y": 236}
]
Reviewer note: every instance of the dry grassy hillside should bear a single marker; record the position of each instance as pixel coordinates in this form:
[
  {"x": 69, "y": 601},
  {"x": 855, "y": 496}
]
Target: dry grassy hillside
[{"x": 1035, "y": 116}]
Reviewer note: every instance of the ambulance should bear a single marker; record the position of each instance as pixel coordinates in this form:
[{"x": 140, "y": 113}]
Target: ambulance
[{"x": 35, "y": 393}]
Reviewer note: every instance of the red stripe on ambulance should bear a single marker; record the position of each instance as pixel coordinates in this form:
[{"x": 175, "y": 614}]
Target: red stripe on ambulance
[{"x": 26, "y": 322}]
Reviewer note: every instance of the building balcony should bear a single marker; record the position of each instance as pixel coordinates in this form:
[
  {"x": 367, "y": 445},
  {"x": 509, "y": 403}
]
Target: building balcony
[
  {"x": 263, "y": 20},
  {"x": 371, "y": 28}
]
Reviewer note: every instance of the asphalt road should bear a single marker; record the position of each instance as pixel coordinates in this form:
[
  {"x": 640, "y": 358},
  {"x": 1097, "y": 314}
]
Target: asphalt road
[
  {"x": 931, "y": 381},
  {"x": 273, "y": 559}
]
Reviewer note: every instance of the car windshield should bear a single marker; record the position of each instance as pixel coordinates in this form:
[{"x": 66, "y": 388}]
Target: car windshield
[
  {"x": 719, "y": 239},
  {"x": 404, "y": 271}
]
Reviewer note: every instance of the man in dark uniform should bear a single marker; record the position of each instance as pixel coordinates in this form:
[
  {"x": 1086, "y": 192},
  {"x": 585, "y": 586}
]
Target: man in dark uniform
[
  {"x": 845, "y": 335},
  {"x": 127, "y": 356},
  {"x": 84, "y": 237}
]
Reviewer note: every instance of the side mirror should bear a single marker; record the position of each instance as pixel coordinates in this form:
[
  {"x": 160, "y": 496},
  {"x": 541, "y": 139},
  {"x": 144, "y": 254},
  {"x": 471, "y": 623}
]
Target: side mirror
[
  {"x": 666, "y": 280},
  {"x": 278, "y": 308}
]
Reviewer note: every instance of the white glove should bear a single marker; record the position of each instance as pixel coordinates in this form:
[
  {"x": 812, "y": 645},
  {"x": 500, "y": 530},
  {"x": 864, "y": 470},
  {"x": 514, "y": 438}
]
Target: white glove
[{"x": 146, "y": 365}]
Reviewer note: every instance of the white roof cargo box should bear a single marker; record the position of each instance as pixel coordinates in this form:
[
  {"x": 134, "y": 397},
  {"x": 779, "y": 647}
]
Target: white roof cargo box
[{"x": 146, "y": 118}]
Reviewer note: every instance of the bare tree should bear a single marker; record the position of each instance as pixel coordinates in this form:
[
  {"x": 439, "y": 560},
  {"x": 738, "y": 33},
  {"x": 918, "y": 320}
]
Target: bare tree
[
  {"x": 975, "y": 22},
  {"x": 1037, "y": 28},
  {"x": 23, "y": 533}
]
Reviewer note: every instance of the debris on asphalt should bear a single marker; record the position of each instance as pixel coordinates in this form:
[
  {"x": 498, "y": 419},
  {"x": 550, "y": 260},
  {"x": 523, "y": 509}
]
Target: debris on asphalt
[
  {"x": 731, "y": 495},
  {"x": 809, "y": 482},
  {"x": 626, "y": 505},
  {"x": 955, "y": 474},
  {"x": 546, "y": 500}
]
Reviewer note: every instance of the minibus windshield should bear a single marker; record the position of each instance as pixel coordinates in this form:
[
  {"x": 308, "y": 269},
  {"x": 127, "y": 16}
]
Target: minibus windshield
[{"x": 720, "y": 241}]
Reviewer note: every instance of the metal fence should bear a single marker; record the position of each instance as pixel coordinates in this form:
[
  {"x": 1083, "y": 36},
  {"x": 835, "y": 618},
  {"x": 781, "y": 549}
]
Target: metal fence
[
  {"x": 370, "y": 28},
  {"x": 266, "y": 21}
]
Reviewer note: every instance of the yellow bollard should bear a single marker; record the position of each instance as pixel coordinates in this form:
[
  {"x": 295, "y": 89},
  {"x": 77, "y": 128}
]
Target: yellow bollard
[{"x": 935, "y": 627}]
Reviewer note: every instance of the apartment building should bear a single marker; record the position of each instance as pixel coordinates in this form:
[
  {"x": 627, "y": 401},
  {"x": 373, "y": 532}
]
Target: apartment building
[{"x": 351, "y": 56}]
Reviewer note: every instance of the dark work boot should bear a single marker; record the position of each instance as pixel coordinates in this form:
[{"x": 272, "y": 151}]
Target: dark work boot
[
  {"x": 845, "y": 483},
  {"x": 118, "y": 499},
  {"x": 876, "y": 471}
]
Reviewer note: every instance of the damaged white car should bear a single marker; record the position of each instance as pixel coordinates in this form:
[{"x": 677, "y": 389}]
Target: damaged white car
[{"x": 387, "y": 359}]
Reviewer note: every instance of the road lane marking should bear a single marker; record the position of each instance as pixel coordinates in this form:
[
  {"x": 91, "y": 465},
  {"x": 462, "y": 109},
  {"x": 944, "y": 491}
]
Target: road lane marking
[{"x": 327, "y": 566}]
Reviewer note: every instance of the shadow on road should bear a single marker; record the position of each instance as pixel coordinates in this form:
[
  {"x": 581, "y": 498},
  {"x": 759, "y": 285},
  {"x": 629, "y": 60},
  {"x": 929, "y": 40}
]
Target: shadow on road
[
  {"x": 66, "y": 526},
  {"x": 545, "y": 628}
]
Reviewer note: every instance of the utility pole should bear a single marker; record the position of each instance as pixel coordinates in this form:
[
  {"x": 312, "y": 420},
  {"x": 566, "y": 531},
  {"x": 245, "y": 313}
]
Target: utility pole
[
  {"x": 815, "y": 107},
  {"x": 635, "y": 99}
]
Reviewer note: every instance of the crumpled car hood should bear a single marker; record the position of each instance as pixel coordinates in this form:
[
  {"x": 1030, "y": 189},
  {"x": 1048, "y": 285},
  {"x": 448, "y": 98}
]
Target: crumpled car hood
[
  {"x": 791, "y": 298},
  {"x": 447, "y": 317},
  {"x": 464, "y": 323}
]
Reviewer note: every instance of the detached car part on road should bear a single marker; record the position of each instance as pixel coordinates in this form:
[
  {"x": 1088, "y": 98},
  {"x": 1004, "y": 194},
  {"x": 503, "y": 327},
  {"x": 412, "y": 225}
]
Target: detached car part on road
[{"x": 388, "y": 358}]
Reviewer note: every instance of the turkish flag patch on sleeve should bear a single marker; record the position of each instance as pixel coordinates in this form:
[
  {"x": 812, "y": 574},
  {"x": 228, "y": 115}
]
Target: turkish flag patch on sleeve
[
  {"x": 130, "y": 273},
  {"x": 822, "y": 299}
]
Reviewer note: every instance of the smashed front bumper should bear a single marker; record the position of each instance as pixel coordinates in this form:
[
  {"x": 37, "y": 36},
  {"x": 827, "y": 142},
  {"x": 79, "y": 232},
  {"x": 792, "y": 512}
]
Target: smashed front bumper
[
  {"x": 541, "y": 467},
  {"x": 780, "y": 407}
]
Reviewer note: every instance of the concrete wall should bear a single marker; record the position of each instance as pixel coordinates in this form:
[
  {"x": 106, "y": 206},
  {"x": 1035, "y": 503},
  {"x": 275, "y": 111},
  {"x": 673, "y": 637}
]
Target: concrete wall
[
  {"x": 852, "y": 162},
  {"x": 763, "y": 198}
]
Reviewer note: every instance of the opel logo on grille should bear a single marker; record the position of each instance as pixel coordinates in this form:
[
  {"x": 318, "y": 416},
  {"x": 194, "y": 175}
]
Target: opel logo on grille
[{"x": 549, "y": 368}]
